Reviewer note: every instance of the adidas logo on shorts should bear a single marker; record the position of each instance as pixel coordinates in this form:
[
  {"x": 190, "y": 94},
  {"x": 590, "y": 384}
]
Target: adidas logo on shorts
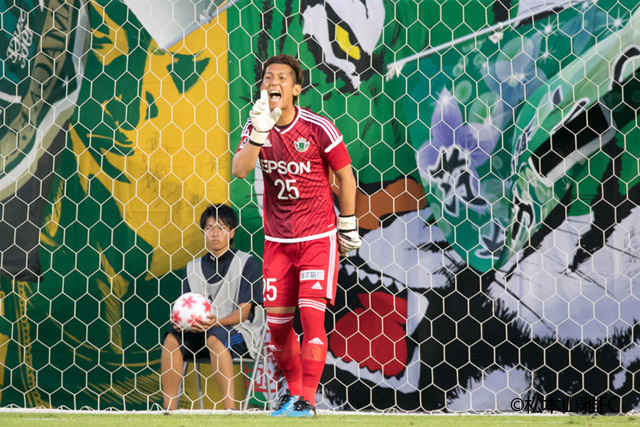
[{"x": 317, "y": 285}]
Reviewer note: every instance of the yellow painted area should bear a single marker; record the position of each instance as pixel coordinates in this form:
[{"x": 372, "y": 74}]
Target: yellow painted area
[
  {"x": 27, "y": 373},
  {"x": 112, "y": 294},
  {"x": 212, "y": 398},
  {"x": 138, "y": 389},
  {"x": 52, "y": 221},
  {"x": 4, "y": 345},
  {"x": 342, "y": 37},
  {"x": 181, "y": 160}
]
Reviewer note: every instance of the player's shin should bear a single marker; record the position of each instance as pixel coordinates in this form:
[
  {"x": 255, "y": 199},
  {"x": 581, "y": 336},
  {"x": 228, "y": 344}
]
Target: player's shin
[
  {"x": 314, "y": 346},
  {"x": 285, "y": 348}
]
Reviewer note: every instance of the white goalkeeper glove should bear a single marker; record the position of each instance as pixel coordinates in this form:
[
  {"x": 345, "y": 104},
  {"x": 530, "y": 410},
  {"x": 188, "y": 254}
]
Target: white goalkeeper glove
[
  {"x": 348, "y": 237},
  {"x": 262, "y": 119}
]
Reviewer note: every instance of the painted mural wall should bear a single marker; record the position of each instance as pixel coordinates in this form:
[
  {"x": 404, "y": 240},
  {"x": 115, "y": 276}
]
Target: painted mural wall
[{"x": 494, "y": 147}]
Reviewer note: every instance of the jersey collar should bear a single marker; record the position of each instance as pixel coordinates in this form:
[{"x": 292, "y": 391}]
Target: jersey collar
[{"x": 286, "y": 128}]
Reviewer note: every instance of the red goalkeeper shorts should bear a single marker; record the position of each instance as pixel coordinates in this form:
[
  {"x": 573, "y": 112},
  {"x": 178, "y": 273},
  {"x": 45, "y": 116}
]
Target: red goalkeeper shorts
[{"x": 300, "y": 270}]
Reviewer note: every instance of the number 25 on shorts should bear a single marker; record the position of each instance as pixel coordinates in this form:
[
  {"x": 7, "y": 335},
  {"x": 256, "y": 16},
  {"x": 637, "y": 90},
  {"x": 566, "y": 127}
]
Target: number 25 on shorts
[{"x": 269, "y": 289}]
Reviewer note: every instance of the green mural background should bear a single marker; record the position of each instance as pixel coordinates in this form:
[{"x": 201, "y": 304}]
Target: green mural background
[{"x": 143, "y": 154}]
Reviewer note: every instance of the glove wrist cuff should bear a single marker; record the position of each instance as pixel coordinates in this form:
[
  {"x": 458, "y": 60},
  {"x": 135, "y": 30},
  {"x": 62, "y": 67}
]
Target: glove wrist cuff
[
  {"x": 258, "y": 137},
  {"x": 347, "y": 223}
]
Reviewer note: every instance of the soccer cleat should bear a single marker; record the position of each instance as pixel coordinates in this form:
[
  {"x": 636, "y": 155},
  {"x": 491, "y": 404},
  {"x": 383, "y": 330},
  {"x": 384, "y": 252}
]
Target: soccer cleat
[
  {"x": 285, "y": 405},
  {"x": 303, "y": 409}
]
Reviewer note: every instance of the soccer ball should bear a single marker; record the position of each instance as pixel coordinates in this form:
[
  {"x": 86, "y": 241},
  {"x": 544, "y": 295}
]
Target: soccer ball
[{"x": 189, "y": 308}]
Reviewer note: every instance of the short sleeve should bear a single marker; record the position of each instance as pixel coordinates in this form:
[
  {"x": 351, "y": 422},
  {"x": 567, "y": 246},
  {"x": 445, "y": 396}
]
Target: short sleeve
[
  {"x": 338, "y": 157},
  {"x": 332, "y": 143}
]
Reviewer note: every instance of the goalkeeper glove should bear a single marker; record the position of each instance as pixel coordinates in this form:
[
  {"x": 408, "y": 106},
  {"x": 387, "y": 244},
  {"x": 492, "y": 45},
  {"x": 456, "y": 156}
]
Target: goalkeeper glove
[
  {"x": 262, "y": 119},
  {"x": 348, "y": 238}
]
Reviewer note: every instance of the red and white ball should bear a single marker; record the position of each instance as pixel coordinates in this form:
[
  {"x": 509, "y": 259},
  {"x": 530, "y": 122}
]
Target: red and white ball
[{"x": 189, "y": 309}]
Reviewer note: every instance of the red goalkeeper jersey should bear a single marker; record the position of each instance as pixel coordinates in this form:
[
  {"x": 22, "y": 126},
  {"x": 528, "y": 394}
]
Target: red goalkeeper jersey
[{"x": 295, "y": 162}]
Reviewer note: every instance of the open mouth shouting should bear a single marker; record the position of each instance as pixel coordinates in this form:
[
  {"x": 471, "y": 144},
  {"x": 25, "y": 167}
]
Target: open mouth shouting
[{"x": 274, "y": 98}]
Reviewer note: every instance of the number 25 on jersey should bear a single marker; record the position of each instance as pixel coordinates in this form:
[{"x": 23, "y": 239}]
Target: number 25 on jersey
[{"x": 287, "y": 189}]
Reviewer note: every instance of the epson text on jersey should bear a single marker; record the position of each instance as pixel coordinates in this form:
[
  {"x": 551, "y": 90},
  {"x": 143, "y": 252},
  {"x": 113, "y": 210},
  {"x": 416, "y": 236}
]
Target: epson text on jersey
[{"x": 282, "y": 167}]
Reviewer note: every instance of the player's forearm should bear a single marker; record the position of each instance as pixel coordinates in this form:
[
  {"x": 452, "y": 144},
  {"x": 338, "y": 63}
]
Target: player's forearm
[
  {"x": 348, "y": 237},
  {"x": 244, "y": 161},
  {"x": 346, "y": 191}
]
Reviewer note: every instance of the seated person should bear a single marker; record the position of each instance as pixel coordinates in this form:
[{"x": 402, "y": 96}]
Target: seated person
[{"x": 232, "y": 280}]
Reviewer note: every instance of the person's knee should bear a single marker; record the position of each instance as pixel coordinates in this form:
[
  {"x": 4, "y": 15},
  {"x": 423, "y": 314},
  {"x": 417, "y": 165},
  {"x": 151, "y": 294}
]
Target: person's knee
[
  {"x": 280, "y": 327},
  {"x": 215, "y": 345}
]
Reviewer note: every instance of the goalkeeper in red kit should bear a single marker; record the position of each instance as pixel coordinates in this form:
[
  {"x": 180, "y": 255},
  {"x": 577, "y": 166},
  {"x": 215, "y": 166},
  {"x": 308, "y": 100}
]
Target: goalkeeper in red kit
[{"x": 296, "y": 149}]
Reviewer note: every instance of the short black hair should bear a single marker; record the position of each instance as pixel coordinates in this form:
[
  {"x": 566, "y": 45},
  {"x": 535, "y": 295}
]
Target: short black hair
[
  {"x": 286, "y": 60},
  {"x": 221, "y": 213}
]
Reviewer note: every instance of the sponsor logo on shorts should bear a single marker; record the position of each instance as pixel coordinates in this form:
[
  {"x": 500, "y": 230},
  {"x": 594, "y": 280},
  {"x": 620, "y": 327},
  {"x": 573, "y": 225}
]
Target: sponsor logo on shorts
[
  {"x": 312, "y": 275},
  {"x": 317, "y": 285}
]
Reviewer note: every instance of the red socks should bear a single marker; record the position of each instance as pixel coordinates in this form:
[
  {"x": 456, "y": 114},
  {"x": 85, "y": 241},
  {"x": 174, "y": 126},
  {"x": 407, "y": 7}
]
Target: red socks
[
  {"x": 314, "y": 345},
  {"x": 286, "y": 349},
  {"x": 301, "y": 369}
]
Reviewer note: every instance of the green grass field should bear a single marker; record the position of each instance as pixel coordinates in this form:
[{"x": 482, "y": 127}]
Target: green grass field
[{"x": 186, "y": 419}]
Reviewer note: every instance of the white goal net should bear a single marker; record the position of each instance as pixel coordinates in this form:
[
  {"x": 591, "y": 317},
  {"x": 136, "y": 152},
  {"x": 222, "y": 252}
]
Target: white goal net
[{"x": 495, "y": 144}]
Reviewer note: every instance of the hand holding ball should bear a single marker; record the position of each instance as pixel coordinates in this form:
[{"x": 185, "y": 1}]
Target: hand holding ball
[{"x": 189, "y": 309}]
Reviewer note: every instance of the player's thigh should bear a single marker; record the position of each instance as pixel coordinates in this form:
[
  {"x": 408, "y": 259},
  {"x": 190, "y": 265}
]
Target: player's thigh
[
  {"x": 191, "y": 343},
  {"x": 280, "y": 283},
  {"x": 232, "y": 340},
  {"x": 318, "y": 268},
  {"x": 218, "y": 335}
]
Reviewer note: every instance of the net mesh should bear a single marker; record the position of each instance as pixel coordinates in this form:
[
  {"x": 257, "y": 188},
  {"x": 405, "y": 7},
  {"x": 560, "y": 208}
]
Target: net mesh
[{"x": 492, "y": 141}]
